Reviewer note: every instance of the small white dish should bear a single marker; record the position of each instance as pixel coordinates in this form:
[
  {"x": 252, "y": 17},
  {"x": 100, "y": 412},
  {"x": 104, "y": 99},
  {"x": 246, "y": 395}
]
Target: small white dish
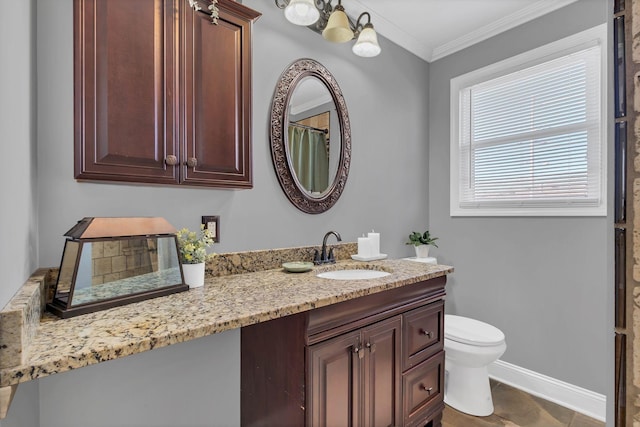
[{"x": 369, "y": 258}]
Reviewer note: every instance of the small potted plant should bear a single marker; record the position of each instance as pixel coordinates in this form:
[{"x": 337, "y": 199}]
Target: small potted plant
[
  {"x": 193, "y": 254},
  {"x": 422, "y": 241}
]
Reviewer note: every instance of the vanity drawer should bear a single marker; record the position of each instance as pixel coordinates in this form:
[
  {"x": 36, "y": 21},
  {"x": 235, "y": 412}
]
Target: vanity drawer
[
  {"x": 422, "y": 389},
  {"x": 423, "y": 333}
]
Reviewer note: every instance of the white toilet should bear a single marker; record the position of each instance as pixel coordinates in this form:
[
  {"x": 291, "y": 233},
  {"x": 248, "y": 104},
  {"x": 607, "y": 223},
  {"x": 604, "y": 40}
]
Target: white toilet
[{"x": 470, "y": 346}]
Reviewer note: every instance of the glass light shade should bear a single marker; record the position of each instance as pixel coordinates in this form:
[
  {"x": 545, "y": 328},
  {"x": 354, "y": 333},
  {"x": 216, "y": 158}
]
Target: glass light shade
[
  {"x": 301, "y": 12},
  {"x": 367, "y": 45},
  {"x": 338, "y": 29}
]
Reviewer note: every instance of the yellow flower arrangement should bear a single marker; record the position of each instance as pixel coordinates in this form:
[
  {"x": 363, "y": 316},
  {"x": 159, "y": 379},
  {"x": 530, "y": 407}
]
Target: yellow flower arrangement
[{"x": 193, "y": 246}]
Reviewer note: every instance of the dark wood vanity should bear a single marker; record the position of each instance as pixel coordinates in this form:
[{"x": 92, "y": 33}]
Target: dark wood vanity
[{"x": 377, "y": 360}]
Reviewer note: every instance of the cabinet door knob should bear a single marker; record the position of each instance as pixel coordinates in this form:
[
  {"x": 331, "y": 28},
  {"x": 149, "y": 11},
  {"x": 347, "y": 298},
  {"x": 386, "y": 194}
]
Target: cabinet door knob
[
  {"x": 428, "y": 390},
  {"x": 171, "y": 160},
  {"x": 192, "y": 162},
  {"x": 357, "y": 349},
  {"x": 371, "y": 347},
  {"x": 426, "y": 333}
]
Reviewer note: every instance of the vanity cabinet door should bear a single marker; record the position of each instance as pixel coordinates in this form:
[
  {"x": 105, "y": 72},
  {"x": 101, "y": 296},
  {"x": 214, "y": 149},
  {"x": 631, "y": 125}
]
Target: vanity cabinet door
[
  {"x": 124, "y": 90},
  {"x": 216, "y": 96},
  {"x": 355, "y": 378},
  {"x": 382, "y": 404},
  {"x": 334, "y": 382}
]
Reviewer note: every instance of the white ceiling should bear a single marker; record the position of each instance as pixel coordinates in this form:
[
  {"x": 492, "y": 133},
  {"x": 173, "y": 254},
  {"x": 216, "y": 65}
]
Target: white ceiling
[{"x": 432, "y": 29}]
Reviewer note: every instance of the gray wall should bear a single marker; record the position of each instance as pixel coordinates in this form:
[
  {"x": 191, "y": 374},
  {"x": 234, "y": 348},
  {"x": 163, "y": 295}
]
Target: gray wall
[
  {"x": 192, "y": 384},
  {"x": 18, "y": 245},
  {"x": 389, "y": 133},
  {"x": 545, "y": 282},
  {"x": 18, "y": 256}
]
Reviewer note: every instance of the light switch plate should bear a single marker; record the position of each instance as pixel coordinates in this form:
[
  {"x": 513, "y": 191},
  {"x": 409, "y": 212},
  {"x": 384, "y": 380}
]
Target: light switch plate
[{"x": 212, "y": 222}]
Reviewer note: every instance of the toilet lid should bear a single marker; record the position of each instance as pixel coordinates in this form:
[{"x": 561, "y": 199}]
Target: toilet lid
[{"x": 471, "y": 331}]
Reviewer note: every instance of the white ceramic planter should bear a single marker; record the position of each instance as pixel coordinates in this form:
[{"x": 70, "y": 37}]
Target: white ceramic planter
[
  {"x": 422, "y": 251},
  {"x": 193, "y": 274}
]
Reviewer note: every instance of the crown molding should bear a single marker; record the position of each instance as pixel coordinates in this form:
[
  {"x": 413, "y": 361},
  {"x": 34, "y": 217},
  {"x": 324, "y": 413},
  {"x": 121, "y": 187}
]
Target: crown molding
[
  {"x": 536, "y": 10},
  {"x": 390, "y": 30},
  {"x": 395, "y": 33}
]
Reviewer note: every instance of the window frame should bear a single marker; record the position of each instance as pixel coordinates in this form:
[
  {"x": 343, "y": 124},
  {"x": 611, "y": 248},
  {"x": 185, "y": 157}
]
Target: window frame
[{"x": 566, "y": 46}]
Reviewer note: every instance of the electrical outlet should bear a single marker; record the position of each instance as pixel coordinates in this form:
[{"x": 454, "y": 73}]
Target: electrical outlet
[{"x": 212, "y": 223}]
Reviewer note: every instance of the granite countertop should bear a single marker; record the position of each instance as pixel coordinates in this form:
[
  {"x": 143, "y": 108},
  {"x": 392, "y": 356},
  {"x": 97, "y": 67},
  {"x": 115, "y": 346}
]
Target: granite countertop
[{"x": 223, "y": 303}]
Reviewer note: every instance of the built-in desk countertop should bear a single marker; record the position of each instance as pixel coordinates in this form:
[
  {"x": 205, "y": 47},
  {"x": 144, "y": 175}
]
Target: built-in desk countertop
[{"x": 225, "y": 302}]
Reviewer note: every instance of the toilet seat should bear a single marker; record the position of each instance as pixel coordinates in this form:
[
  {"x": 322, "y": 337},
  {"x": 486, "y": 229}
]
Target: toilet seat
[{"x": 470, "y": 331}]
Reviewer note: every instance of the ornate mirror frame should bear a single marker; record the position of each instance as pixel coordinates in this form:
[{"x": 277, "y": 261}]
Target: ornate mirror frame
[{"x": 279, "y": 123}]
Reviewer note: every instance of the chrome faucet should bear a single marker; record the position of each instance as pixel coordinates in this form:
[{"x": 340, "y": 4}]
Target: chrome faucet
[{"x": 322, "y": 257}]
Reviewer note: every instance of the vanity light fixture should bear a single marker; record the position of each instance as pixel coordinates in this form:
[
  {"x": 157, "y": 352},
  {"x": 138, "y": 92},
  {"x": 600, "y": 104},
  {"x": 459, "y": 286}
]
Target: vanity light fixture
[
  {"x": 301, "y": 12},
  {"x": 367, "y": 44},
  {"x": 338, "y": 29},
  {"x": 333, "y": 23}
]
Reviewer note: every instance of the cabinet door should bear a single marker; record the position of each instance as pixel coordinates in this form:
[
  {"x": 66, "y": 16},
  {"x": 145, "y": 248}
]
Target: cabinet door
[
  {"x": 382, "y": 406},
  {"x": 124, "y": 90},
  {"x": 216, "y": 86},
  {"x": 334, "y": 382}
]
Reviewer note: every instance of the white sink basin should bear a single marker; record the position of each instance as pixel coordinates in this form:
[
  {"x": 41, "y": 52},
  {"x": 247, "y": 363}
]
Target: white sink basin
[{"x": 353, "y": 274}]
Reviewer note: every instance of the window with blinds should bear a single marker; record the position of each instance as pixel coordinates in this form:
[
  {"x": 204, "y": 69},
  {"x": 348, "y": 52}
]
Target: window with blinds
[{"x": 529, "y": 134}]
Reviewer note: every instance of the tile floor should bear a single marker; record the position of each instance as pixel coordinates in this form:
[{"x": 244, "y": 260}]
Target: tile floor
[{"x": 515, "y": 408}]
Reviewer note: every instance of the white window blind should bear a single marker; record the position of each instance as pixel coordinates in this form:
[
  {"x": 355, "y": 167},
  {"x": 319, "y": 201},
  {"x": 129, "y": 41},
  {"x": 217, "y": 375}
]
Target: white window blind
[{"x": 532, "y": 139}]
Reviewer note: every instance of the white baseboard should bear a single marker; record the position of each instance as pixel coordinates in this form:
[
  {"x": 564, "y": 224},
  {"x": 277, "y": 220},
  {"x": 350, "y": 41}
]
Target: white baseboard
[{"x": 568, "y": 395}]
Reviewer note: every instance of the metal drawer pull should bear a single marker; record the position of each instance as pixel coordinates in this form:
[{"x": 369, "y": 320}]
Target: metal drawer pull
[
  {"x": 426, "y": 333},
  {"x": 192, "y": 162},
  {"x": 428, "y": 390}
]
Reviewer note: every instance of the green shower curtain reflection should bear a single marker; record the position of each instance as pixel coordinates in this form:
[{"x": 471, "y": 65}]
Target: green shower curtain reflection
[{"x": 309, "y": 158}]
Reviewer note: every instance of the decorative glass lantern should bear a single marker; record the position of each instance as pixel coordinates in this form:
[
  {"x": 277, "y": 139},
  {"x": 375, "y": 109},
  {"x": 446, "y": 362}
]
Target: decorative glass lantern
[{"x": 109, "y": 262}]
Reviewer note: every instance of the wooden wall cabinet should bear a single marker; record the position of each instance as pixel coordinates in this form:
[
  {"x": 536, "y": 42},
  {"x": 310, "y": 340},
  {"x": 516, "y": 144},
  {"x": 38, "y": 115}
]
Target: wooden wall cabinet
[
  {"x": 162, "y": 95},
  {"x": 372, "y": 361}
]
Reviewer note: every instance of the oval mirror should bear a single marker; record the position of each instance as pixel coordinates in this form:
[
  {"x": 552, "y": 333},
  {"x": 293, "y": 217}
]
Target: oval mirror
[{"x": 310, "y": 136}]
